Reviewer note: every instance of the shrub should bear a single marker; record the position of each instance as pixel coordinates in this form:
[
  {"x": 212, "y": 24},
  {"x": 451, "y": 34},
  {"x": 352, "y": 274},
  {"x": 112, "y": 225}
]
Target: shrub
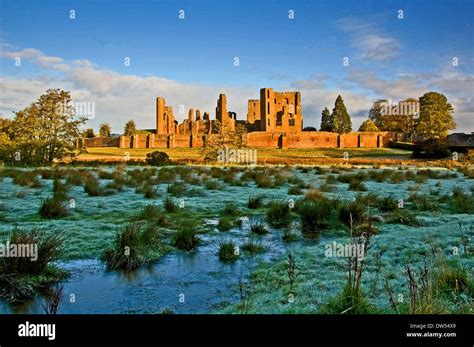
[
  {"x": 52, "y": 208},
  {"x": 177, "y": 189},
  {"x": 185, "y": 239},
  {"x": 20, "y": 277},
  {"x": 148, "y": 191},
  {"x": 279, "y": 214},
  {"x": 461, "y": 202},
  {"x": 59, "y": 189},
  {"x": 316, "y": 215},
  {"x": 76, "y": 178},
  {"x": 295, "y": 190},
  {"x": 313, "y": 194},
  {"x": 352, "y": 213},
  {"x": 258, "y": 228},
  {"x": 253, "y": 247},
  {"x": 104, "y": 175},
  {"x": 125, "y": 253},
  {"x": 92, "y": 187},
  {"x": 402, "y": 216},
  {"x": 351, "y": 300},
  {"x": 263, "y": 180},
  {"x": 357, "y": 186},
  {"x": 167, "y": 175},
  {"x": 157, "y": 158},
  {"x": 212, "y": 185},
  {"x": 327, "y": 188},
  {"x": 452, "y": 278},
  {"x": 48, "y": 174},
  {"x": 320, "y": 170},
  {"x": 424, "y": 203},
  {"x": 49, "y": 249},
  {"x": 330, "y": 179},
  {"x": 255, "y": 202},
  {"x": 431, "y": 149},
  {"x": 387, "y": 204},
  {"x": 135, "y": 244},
  {"x": 227, "y": 251},
  {"x": 152, "y": 213},
  {"x": 169, "y": 205},
  {"x": 289, "y": 235},
  {"x": 27, "y": 179},
  {"x": 230, "y": 209},
  {"x": 225, "y": 223}
]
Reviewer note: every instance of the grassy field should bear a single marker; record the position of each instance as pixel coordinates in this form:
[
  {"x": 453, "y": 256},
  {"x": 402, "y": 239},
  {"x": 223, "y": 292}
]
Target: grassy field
[
  {"x": 437, "y": 214},
  {"x": 264, "y": 155}
]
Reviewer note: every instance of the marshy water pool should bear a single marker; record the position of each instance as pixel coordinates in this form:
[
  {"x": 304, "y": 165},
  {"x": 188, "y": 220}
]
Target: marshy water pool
[
  {"x": 198, "y": 281},
  {"x": 183, "y": 282}
]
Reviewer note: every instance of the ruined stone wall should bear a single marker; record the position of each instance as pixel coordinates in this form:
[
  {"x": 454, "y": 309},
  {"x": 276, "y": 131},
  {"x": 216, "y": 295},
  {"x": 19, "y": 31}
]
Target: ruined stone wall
[
  {"x": 165, "y": 123},
  {"x": 349, "y": 140},
  {"x": 280, "y": 111},
  {"x": 263, "y": 139},
  {"x": 310, "y": 139},
  {"x": 225, "y": 118},
  {"x": 194, "y": 127},
  {"x": 253, "y": 113},
  {"x": 258, "y": 139},
  {"x": 368, "y": 140}
]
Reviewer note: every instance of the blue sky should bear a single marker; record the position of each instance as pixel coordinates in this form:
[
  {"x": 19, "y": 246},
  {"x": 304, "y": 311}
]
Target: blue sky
[{"x": 188, "y": 61}]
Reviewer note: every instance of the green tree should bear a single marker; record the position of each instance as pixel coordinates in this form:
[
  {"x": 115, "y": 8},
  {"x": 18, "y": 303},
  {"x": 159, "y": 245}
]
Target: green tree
[
  {"x": 130, "y": 128},
  {"x": 5, "y": 126},
  {"x": 376, "y": 111},
  {"x": 341, "y": 121},
  {"x": 44, "y": 131},
  {"x": 326, "y": 121},
  {"x": 436, "y": 116},
  {"x": 104, "y": 130},
  {"x": 88, "y": 133},
  {"x": 367, "y": 126}
]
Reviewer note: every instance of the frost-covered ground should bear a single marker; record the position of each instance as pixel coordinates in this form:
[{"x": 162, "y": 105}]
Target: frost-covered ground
[{"x": 93, "y": 221}]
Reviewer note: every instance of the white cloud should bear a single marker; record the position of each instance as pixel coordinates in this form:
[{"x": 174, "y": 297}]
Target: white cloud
[
  {"x": 117, "y": 97},
  {"x": 368, "y": 40},
  {"x": 120, "y": 97},
  {"x": 457, "y": 87}
]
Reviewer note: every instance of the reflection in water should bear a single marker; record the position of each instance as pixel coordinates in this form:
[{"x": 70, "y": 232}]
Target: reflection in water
[{"x": 195, "y": 282}]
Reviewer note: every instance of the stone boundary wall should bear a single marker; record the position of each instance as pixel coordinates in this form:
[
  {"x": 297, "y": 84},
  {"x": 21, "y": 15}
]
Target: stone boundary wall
[{"x": 258, "y": 139}]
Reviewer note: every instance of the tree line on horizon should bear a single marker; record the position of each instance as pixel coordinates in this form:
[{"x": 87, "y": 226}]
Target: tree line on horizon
[
  {"x": 43, "y": 132},
  {"x": 434, "y": 122}
]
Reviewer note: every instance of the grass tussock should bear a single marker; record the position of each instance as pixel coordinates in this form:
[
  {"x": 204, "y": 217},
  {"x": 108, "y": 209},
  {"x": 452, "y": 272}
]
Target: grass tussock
[
  {"x": 227, "y": 251},
  {"x": 258, "y": 228},
  {"x": 169, "y": 205},
  {"x": 135, "y": 244},
  {"x": 53, "y": 208},
  {"x": 317, "y": 215},
  {"x": 279, "y": 213},
  {"x": 27, "y": 179},
  {"x": 252, "y": 246},
  {"x": 185, "y": 239},
  {"x": 21, "y": 278},
  {"x": 255, "y": 202},
  {"x": 93, "y": 188}
]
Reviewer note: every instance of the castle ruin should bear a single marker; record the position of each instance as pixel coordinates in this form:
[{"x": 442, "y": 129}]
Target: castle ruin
[{"x": 274, "y": 121}]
